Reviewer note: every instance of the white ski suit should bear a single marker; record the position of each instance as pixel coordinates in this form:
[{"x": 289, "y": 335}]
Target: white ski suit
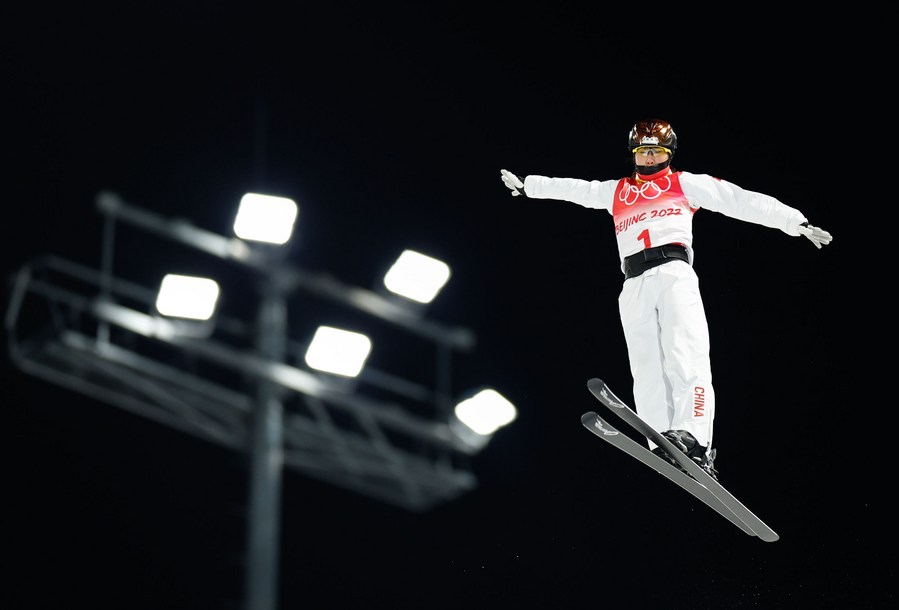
[{"x": 660, "y": 305}]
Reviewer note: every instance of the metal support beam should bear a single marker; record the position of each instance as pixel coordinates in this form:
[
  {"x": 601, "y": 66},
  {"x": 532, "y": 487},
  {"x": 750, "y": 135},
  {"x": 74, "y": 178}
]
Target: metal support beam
[{"x": 267, "y": 462}]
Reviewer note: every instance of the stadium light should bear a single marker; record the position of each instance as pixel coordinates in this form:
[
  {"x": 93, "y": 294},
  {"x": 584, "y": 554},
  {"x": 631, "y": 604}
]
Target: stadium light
[
  {"x": 486, "y": 412},
  {"x": 337, "y": 351},
  {"x": 265, "y": 218},
  {"x": 184, "y": 296},
  {"x": 417, "y": 276}
]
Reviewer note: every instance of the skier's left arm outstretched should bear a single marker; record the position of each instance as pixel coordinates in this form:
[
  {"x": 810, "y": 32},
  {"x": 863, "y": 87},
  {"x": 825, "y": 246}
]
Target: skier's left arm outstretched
[{"x": 719, "y": 195}]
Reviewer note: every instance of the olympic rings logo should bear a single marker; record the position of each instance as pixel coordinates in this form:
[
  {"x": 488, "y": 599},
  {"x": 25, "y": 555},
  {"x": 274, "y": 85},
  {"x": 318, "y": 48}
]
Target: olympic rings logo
[{"x": 648, "y": 190}]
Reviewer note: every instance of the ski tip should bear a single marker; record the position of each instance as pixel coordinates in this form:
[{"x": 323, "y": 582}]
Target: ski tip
[
  {"x": 595, "y": 382},
  {"x": 588, "y": 417}
]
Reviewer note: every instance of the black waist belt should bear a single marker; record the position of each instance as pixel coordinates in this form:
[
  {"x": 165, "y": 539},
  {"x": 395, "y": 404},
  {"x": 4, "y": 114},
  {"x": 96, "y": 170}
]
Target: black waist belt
[{"x": 636, "y": 264}]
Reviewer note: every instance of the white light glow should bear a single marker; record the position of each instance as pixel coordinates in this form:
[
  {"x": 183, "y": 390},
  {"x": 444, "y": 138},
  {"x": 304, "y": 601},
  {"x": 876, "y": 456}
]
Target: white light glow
[
  {"x": 184, "y": 296},
  {"x": 486, "y": 411},
  {"x": 337, "y": 351},
  {"x": 265, "y": 218},
  {"x": 417, "y": 276}
]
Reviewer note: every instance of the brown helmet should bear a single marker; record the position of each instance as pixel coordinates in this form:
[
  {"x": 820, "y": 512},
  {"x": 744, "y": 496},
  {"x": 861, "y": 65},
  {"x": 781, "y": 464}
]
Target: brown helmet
[{"x": 652, "y": 132}]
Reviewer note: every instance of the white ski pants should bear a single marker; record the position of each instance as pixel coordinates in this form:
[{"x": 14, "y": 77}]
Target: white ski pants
[{"x": 667, "y": 339}]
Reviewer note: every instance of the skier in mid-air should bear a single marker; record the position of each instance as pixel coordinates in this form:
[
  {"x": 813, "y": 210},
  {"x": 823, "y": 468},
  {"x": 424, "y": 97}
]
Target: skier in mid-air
[{"x": 660, "y": 305}]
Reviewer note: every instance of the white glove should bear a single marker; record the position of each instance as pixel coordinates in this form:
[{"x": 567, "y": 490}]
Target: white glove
[
  {"x": 817, "y": 236},
  {"x": 513, "y": 182}
]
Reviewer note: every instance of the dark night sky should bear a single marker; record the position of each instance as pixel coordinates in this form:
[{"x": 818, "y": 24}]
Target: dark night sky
[{"x": 389, "y": 126}]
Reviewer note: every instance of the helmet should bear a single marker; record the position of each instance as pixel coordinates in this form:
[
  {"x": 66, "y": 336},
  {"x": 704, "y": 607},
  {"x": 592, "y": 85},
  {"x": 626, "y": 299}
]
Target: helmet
[{"x": 652, "y": 132}]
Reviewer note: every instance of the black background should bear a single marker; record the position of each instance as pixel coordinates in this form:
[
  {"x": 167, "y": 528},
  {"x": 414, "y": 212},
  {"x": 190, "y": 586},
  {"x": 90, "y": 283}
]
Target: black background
[{"x": 389, "y": 125}]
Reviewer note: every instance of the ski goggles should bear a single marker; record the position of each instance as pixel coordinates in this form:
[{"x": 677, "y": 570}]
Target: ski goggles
[{"x": 654, "y": 150}]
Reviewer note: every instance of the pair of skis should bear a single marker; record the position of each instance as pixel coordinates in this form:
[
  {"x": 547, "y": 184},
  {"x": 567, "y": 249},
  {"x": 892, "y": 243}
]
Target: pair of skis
[{"x": 698, "y": 482}]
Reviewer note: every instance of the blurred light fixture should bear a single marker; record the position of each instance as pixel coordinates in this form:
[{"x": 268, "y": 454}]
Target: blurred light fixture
[
  {"x": 337, "y": 351},
  {"x": 184, "y": 296},
  {"x": 486, "y": 411},
  {"x": 265, "y": 218},
  {"x": 416, "y": 276}
]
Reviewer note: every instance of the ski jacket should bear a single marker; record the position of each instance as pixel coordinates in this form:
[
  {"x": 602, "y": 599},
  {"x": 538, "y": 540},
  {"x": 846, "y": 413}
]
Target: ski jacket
[{"x": 658, "y": 209}]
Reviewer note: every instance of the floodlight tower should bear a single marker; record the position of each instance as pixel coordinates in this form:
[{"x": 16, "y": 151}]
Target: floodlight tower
[{"x": 108, "y": 338}]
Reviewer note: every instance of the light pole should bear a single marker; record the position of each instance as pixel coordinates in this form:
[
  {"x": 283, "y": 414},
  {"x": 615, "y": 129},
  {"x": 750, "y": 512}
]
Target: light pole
[{"x": 266, "y": 458}]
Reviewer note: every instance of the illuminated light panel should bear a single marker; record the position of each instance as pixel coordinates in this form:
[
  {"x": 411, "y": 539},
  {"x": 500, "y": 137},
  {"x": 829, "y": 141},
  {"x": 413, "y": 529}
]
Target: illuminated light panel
[
  {"x": 486, "y": 411},
  {"x": 416, "y": 276},
  {"x": 337, "y": 351},
  {"x": 265, "y": 218},
  {"x": 184, "y": 296}
]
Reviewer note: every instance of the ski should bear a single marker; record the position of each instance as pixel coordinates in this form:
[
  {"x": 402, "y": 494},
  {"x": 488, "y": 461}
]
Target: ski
[
  {"x": 715, "y": 495},
  {"x": 604, "y": 430}
]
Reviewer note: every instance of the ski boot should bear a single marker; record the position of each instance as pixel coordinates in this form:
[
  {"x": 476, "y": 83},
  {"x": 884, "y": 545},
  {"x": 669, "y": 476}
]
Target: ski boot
[{"x": 687, "y": 443}]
